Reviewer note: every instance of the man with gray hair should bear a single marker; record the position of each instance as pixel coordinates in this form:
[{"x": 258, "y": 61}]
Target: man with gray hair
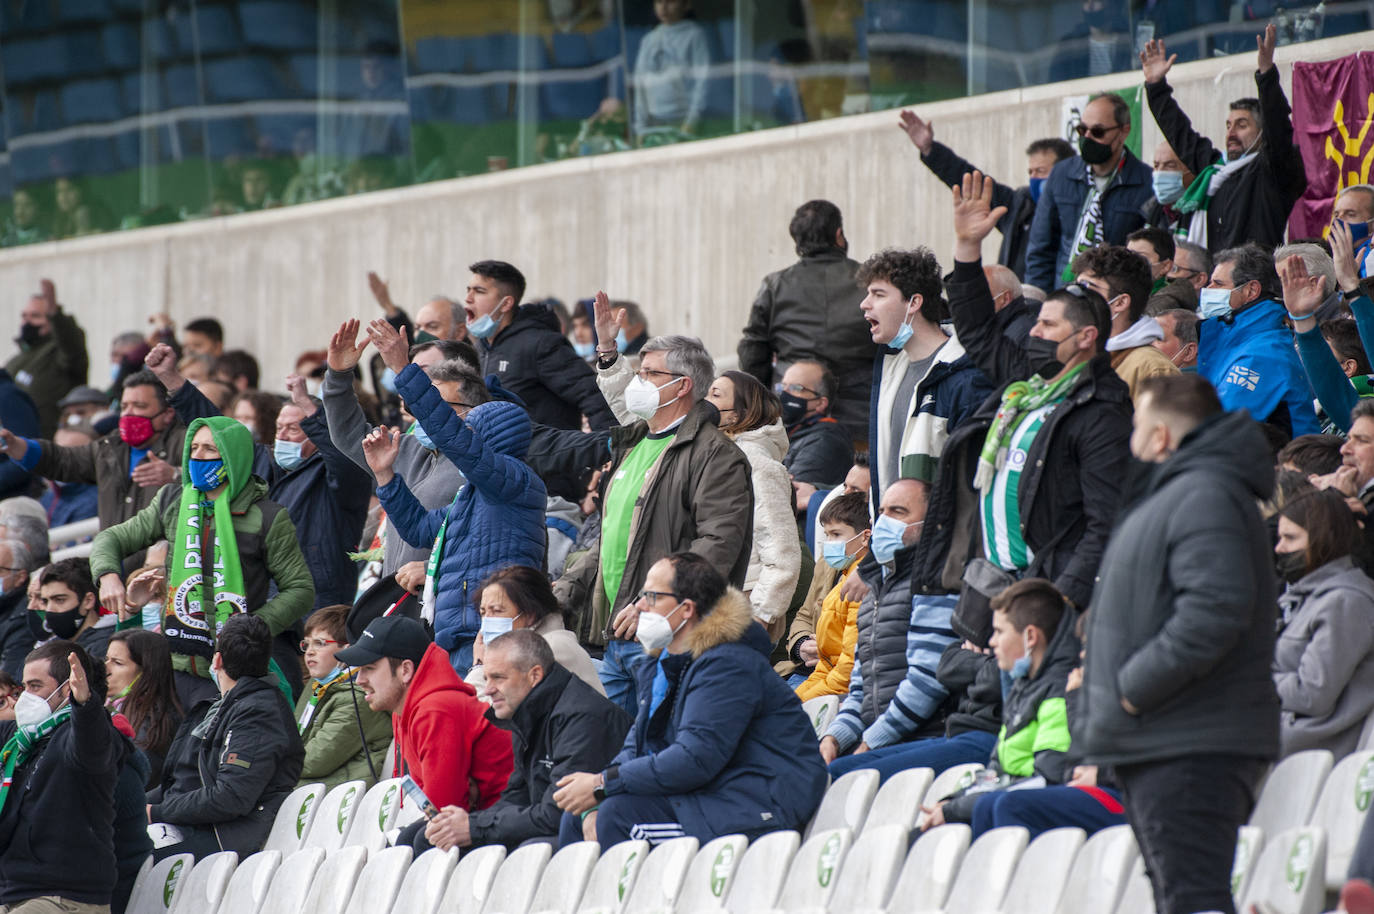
[
  {"x": 1192, "y": 263},
  {"x": 675, "y": 483},
  {"x": 1320, "y": 264},
  {"x": 17, "y": 564}
]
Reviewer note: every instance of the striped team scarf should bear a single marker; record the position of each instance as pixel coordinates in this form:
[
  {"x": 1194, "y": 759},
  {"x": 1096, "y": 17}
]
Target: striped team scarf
[{"x": 18, "y": 747}]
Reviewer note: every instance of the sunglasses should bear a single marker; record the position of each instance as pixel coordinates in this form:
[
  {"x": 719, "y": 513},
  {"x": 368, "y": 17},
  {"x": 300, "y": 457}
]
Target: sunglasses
[{"x": 1096, "y": 131}]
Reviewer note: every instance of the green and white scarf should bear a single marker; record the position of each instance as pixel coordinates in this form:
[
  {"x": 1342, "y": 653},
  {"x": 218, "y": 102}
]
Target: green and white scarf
[
  {"x": 1198, "y": 197},
  {"x": 1018, "y": 400},
  {"x": 184, "y": 622},
  {"x": 1092, "y": 230},
  {"x": 18, "y": 747}
]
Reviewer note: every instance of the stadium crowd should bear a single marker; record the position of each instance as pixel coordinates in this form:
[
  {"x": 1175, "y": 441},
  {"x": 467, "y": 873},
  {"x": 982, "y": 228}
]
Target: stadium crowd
[{"x": 1095, "y": 515}]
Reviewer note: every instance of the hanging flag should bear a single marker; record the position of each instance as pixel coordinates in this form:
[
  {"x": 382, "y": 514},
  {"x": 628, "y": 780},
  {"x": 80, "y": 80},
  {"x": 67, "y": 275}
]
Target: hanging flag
[{"x": 1333, "y": 108}]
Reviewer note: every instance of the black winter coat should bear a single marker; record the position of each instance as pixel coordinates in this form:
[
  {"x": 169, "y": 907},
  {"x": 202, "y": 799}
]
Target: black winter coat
[
  {"x": 1183, "y": 618},
  {"x": 233, "y": 777},
  {"x": 16, "y": 640},
  {"x": 819, "y": 451},
  {"x": 534, "y": 361},
  {"x": 975, "y": 686},
  {"x": 1014, "y": 225},
  {"x": 562, "y": 726}
]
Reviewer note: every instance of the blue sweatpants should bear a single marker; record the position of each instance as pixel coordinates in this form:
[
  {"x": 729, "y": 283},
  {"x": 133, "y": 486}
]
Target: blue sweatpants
[
  {"x": 1091, "y": 809},
  {"x": 938, "y": 754}
]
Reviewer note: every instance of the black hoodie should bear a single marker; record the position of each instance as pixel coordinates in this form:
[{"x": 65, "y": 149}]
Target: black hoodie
[{"x": 537, "y": 363}]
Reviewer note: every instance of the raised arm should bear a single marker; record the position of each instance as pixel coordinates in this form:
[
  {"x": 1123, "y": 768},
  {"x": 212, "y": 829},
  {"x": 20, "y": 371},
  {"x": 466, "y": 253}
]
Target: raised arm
[
  {"x": 1302, "y": 296},
  {"x": 1193, "y": 149},
  {"x": 945, "y": 163}
]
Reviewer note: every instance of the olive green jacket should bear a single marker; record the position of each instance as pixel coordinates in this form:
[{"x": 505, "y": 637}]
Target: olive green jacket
[{"x": 334, "y": 753}]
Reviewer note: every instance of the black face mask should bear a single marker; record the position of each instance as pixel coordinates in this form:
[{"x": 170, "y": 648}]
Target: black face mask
[
  {"x": 793, "y": 408},
  {"x": 36, "y": 627},
  {"x": 1291, "y": 566},
  {"x": 65, "y": 625},
  {"x": 30, "y": 335},
  {"x": 1043, "y": 356},
  {"x": 1093, "y": 152}
]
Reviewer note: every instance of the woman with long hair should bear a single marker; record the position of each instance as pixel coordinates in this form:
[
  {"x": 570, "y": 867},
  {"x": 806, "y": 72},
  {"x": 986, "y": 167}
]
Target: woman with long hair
[{"x": 138, "y": 666}]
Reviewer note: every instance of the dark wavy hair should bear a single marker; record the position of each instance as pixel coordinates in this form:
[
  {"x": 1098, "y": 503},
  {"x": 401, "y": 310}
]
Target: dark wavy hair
[
  {"x": 151, "y": 705},
  {"x": 914, "y": 272}
]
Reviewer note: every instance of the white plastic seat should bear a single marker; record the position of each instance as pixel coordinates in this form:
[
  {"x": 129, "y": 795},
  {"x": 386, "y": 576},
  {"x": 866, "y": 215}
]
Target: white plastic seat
[
  {"x": 813, "y": 872},
  {"x": 156, "y": 887},
  {"x": 334, "y": 881},
  {"x": 292, "y": 881},
  {"x": 929, "y": 870},
  {"x": 613, "y": 878},
  {"x": 1100, "y": 872},
  {"x": 660, "y": 877},
  {"x": 898, "y": 801},
  {"x": 513, "y": 886},
  {"x": 333, "y": 816},
  {"x": 1290, "y": 792},
  {"x": 565, "y": 879},
  {"x": 470, "y": 884},
  {"x": 247, "y": 888},
  {"x": 1344, "y": 802},
  {"x": 201, "y": 891},
  {"x": 871, "y": 867},
  {"x": 1041, "y": 873},
  {"x": 987, "y": 870},
  {"x": 1249, "y": 843},
  {"x": 375, "y": 814},
  {"x": 821, "y": 711},
  {"x": 759, "y": 876},
  {"x": 294, "y": 818},
  {"x": 946, "y": 784},
  {"x": 380, "y": 881},
  {"x": 846, "y": 803},
  {"x": 425, "y": 882},
  {"x": 1139, "y": 895},
  {"x": 710, "y": 875},
  {"x": 1290, "y": 876}
]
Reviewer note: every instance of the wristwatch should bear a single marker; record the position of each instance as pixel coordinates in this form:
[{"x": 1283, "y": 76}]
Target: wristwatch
[{"x": 610, "y": 774}]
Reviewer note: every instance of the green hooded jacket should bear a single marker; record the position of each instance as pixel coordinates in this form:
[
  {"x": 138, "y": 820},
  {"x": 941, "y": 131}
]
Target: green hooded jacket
[
  {"x": 333, "y": 752},
  {"x": 265, "y": 555}
]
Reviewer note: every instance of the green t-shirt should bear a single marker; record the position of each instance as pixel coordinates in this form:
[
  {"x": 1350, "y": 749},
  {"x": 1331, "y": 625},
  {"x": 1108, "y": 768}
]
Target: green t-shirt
[{"x": 621, "y": 496}]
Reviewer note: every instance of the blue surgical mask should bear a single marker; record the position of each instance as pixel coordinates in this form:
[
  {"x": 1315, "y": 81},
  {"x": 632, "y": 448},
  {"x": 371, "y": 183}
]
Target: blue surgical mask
[
  {"x": 887, "y": 537},
  {"x": 332, "y": 675},
  {"x": 903, "y": 334},
  {"x": 207, "y": 475},
  {"x": 1036, "y": 186},
  {"x": 287, "y": 454},
  {"x": 484, "y": 328},
  {"x": 833, "y": 551},
  {"x": 1168, "y": 186},
  {"x": 1020, "y": 669},
  {"x": 1214, "y": 303},
  {"x": 494, "y": 627},
  {"x": 421, "y": 435},
  {"x": 584, "y": 350},
  {"x": 388, "y": 380},
  {"x": 621, "y": 344},
  {"x": 1359, "y": 232},
  {"x": 115, "y": 368}
]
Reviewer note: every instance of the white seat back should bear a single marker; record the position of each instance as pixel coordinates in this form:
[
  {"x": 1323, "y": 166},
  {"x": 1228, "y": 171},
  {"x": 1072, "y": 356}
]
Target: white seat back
[
  {"x": 871, "y": 866},
  {"x": 613, "y": 878},
  {"x": 759, "y": 876},
  {"x": 815, "y": 869},
  {"x": 380, "y": 881},
  {"x": 931, "y": 867},
  {"x": 1100, "y": 872},
  {"x": 200, "y": 892},
  {"x": 1039, "y": 879},
  {"x": 821, "y": 711},
  {"x": 946, "y": 784},
  {"x": 375, "y": 814},
  {"x": 987, "y": 870},
  {"x": 333, "y": 816},
  {"x": 846, "y": 803},
  {"x": 291, "y": 883},
  {"x": 711, "y": 874},
  {"x": 660, "y": 878},
  {"x": 1290, "y": 876},
  {"x": 247, "y": 888},
  {"x": 425, "y": 882},
  {"x": 294, "y": 818},
  {"x": 1290, "y": 792},
  {"x": 565, "y": 879},
  {"x": 334, "y": 881},
  {"x": 898, "y": 801},
  {"x": 469, "y": 886},
  {"x": 155, "y": 889},
  {"x": 1341, "y": 809},
  {"x": 1139, "y": 895},
  {"x": 1249, "y": 843},
  {"x": 515, "y": 882}
]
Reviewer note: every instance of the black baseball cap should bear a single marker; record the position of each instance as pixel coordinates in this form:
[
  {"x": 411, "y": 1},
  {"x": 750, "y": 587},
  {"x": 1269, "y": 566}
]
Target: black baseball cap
[{"x": 390, "y": 636}]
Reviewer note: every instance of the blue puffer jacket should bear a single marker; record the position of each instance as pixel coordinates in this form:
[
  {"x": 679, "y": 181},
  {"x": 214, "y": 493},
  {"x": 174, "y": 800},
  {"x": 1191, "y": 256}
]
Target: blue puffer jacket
[
  {"x": 496, "y": 520},
  {"x": 730, "y": 747}
]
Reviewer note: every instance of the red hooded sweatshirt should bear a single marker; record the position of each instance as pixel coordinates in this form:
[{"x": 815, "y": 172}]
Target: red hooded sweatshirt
[{"x": 445, "y": 742}]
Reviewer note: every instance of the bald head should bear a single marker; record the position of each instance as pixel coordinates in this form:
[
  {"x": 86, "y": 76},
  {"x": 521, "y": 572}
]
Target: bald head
[{"x": 1003, "y": 284}]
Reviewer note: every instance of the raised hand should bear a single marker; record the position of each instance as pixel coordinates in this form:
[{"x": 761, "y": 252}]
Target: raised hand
[
  {"x": 921, "y": 133},
  {"x": 80, "y": 689},
  {"x": 974, "y": 215},
  {"x": 300, "y": 397},
  {"x": 1154, "y": 62},
  {"x": 1265, "y": 46},
  {"x": 1343, "y": 256},
  {"x": 1302, "y": 292},
  {"x": 381, "y": 292},
  {"x": 152, "y": 471},
  {"x": 12, "y": 445},
  {"x": 391, "y": 343},
  {"x": 606, "y": 321},
  {"x": 344, "y": 351},
  {"x": 162, "y": 361},
  {"x": 380, "y": 447},
  {"x": 49, "y": 293}
]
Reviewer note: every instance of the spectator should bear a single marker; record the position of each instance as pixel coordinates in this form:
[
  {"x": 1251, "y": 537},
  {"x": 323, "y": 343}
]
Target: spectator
[
  {"x": 720, "y": 745},
  {"x": 344, "y": 739},
  {"x": 775, "y": 556},
  {"x": 819, "y": 450},
  {"x": 1063, "y": 407},
  {"x": 518, "y": 597},
  {"x": 810, "y": 311},
  {"x": 10, "y": 690},
  {"x": 698, "y": 496},
  {"x": 19, "y": 415},
  {"x": 29, "y": 530},
  {"x": 236, "y": 368},
  {"x": 127, "y": 351},
  {"x": 1324, "y": 656},
  {"x": 1312, "y": 455},
  {"x": 1245, "y": 350},
  {"x": 1171, "y": 180},
  {"x": 1179, "y": 344},
  {"x": 670, "y": 74},
  {"x": 1093, "y": 198},
  {"x": 17, "y": 567},
  {"x": 1015, "y": 224},
  {"x": 219, "y": 494},
  {"x": 894, "y": 695},
  {"x": 924, "y": 383},
  {"x": 836, "y": 629},
  {"x": 558, "y": 726},
  {"x": 632, "y": 329},
  {"x": 1245, "y": 195},
  {"x": 1319, "y": 263},
  {"x": 499, "y": 512},
  {"x": 441, "y": 318},
  {"x": 84, "y": 405},
  {"x": 52, "y": 356},
  {"x": 1015, "y": 316},
  {"x": 1157, "y": 247},
  {"x": 1354, "y": 206},
  {"x": 1122, "y": 278},
  {"x": 70, "y": 609},
  {"x": 1178, "y": 694},
  {"x": 456, "y": 756},
  {"x": 525, "y": 349},
  {"x": 138, "y": 670},
  {"x": 69, "y": 502},
  {"x": 62, "y": 759},
  {"x": 1192, "y": 264},
  {"x": 233, "y": 760},
  {"x": 256, "y": 411},
  {"x": 580, "y": 334},
  {"x": 27, "y": 224},
  {"x": 203, "y": 336}
]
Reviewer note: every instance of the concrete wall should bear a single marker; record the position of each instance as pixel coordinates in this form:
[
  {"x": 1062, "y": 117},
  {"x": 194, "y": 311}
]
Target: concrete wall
[{"x": 688, "y": 231}]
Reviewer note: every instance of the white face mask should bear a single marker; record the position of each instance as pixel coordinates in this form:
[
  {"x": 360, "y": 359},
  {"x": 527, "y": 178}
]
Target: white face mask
[
  {"x": 655, "y": 632},
  {"x": 30, "y": 710},
  {"x": 641, "y": 397}
]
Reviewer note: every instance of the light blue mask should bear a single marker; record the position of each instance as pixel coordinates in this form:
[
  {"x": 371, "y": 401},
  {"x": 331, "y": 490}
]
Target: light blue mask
[
  {"x": 388, "y": 380},
  {"x": 1168, "y": 186},
  {"x": 421, "y": 435},
  {"x": 833, "y": 551},
  {"x": 494, "y": 627},
  {"x": 484, "y": 328},
  {"x": 584, "y": 350},
  {"x": 903, "y": 334},
  {"x": 887, "y": 537},
  {"x": 1214, "y": 303},
  {"x": 333, "y": 674},
  {"x": 1021, "y": 668},
  {"x": 621, "y": 344},
  {"x": 287, "y": 454}
]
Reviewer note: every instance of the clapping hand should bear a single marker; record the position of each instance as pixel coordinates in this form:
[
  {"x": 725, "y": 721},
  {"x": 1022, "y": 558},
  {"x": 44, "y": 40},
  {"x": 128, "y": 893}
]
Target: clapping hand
[
  {"x": 391, "y": 343},
  {"x": 380, "y": 447}
]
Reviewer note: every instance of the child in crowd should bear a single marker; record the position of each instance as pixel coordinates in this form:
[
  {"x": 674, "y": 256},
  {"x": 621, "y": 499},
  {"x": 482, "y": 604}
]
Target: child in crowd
[{"x": 847, "y": 530}]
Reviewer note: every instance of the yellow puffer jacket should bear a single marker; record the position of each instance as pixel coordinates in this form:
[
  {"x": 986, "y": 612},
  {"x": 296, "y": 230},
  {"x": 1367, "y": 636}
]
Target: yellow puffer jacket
[{"x": 837, "y": 631}]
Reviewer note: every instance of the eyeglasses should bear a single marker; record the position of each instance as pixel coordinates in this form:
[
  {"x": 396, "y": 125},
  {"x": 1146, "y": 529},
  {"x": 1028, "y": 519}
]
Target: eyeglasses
[
  {"x": 1096, "y": 131},
  {"x": 643, "y": 374},
  {"x": 4, "y": 570},
  {"x": 794, "y": 389},
  {"x": 650, "y": 597},
  {"x": 319, "y": 644}
]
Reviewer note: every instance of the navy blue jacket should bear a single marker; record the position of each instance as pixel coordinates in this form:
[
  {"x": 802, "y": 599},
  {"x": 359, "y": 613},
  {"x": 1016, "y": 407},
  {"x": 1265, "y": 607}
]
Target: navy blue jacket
[
  {"x": 1061, "y": 202},
  {"x": 19, "y": 415},
  {"x": 729, "y": 747}
]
